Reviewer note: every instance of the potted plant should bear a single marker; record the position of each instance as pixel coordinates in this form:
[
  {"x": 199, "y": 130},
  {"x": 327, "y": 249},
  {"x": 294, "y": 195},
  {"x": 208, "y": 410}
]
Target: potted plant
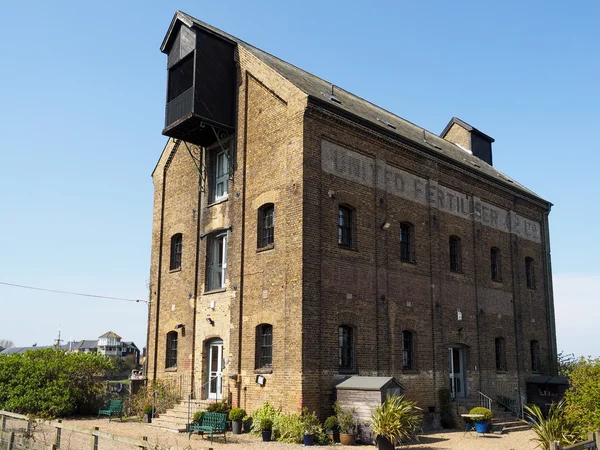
[
  {"x": 147, "y": 414},
  {"x": 396, "y": 418},
  {"x": 346, "y": 424},
  {"x": 482, "y": 425},
  {"x": 310, "y": 425},
  {"x": 236, "y": 415},
  {"x": 332, "y": 429},
  {"x": 266, "y": 427}
]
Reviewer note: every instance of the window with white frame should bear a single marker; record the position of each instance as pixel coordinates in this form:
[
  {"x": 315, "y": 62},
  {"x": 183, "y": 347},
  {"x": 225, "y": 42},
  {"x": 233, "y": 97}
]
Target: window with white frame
[
  {"x": 216, "y": 262},
  {"x": 219, "y": 174}
]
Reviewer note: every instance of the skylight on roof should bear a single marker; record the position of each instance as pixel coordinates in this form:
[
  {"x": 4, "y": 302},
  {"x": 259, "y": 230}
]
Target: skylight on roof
[
  {"x": 332, "y": 97},
  {"x": 386, "y": 123}
]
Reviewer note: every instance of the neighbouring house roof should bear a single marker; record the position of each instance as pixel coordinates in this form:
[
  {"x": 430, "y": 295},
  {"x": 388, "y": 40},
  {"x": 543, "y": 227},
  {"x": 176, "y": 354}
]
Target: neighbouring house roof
[
  {"x": 367, "y": 383},
  {"x": 10, "y": 351},
  {"x": 546, "y": 379},
  {"x": 129, "y": 344},
  {"x": 110, "y": 334},
  {"x": 345, "y": 103},
  {"x": 88, "y": 345}
]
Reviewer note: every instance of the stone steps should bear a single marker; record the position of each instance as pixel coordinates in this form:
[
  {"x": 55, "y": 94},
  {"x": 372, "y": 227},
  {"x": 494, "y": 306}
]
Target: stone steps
[{"x": 176, "y": 418}]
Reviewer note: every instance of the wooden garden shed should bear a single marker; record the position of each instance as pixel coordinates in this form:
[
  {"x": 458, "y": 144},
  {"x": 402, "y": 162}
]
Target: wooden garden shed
[{"x": 364, "y": 394}]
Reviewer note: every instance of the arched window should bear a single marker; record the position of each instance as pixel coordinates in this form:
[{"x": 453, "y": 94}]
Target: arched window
[
  {"x": 346, "y": 227},
  {"x": 500, "y": 354},
  {"x": 264, "y": 346},
  {"x": 216, "y": 266},
  {"x": 266, "y": 225},
  {"x": 455, "y": 254},
  {"x": 495, "y": 263},
  {"x": 176, "y": 243},
  {"x": 171, "y": 360},
  {"x": 536, "y": 360},
  {"x": 407, "y": 237},
  {"x": 346, "y": 347},
  {"x": 529, "y": 273},
  {"x": 408, "y": 350}
]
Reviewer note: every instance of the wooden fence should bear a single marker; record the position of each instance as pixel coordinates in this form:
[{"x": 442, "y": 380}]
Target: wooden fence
[
  {"x": 592, "y": 443},
  {"x": 17, "y": 437}
]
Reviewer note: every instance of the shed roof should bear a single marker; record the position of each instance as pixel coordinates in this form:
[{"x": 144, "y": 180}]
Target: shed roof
[
  {"x": 546, "y": 379},
  {"x": 366, "y": 383},
  {"x": 320, "y": 91}
]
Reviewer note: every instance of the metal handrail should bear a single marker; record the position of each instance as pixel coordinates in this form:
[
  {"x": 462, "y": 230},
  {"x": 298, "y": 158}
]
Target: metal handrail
[
  {"x": 485, "y": 401},
  {"x": 220, "y": 375}
]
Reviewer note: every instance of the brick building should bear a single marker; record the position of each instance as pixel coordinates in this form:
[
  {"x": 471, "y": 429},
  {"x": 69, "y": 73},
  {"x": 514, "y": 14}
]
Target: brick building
[{"x": 302, "y": 234}]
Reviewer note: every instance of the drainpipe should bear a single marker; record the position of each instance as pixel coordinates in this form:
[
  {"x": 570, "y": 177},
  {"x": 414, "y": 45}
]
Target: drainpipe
[
  {"x": 549, "y": 293},
  {"x": 198, "y": 223},
  {"x": 160, "y": 257},
  {"x": 242, "y": 245}
]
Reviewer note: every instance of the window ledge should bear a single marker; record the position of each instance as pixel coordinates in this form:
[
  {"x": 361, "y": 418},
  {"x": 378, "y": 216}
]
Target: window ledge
[
  {"x": 501, "y": 372},
  {"x": 410, "y": 371},
  {"x": 175, "y": 270},
  {"x": 217, "y": 202},
  {"x": 264, "y": 249},
  {"x": 214, "y": 291},
  {"x": 497, "y": 281},
  {"x": 408, "y": 261},
  {"x": 344, "y": 247},
  {"x": 347, "y": 371},
  {"x": 171, "y": 369},
  {"x": 263, "y": 371}
]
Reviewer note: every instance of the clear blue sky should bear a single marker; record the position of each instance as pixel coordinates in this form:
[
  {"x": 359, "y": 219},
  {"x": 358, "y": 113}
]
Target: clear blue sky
[{"x": 82, "y": 92}]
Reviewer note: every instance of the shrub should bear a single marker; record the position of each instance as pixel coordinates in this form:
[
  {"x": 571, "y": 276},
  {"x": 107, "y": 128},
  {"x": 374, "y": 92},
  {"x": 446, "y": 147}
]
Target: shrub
[
  {"x": 396, "y": 419},
  {"x": 446, "y": 417},
  {"x": 310, "y": 422},
  {"x": 147, "y": 411},
  {"x": 262, "y": 417},
  {"x": 583, "y": 397},
  {"x": 331, "y": 423},
  {"x": 220, "y": 407},
  {"x": 288, "y": 428},
  {"x": 198, "y": 417},
  {"x": 487, "y": 414},
  {"x": 53, "y": 383},
  {"x": 237, "y": 414},
  {"x": 345, "y": 419},
  {"x": 157, "y": 392},
  {"x": 552, "y": 428}
]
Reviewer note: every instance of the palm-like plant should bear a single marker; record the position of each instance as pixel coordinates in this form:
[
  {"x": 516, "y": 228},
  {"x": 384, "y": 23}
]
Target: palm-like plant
[
  {"x": 396, "y": 419},
  {"x": 552, "y": 428}
]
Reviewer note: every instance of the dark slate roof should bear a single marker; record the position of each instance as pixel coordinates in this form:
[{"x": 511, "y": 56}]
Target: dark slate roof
[
  {"x": 128, "y": 344},
  {"x": 366, "y": 383},
  {"x": 349, "y": 104}
]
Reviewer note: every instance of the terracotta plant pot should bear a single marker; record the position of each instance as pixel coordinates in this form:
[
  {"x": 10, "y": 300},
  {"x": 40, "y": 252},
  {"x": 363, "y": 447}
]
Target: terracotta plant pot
[{"x": 346, "y": 439}]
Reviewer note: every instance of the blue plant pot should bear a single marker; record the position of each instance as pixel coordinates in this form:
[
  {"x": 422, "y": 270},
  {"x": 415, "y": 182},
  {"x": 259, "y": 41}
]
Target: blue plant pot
[
  {"x": 308, "y": 439},
  {"x": 482, "y": 426}
]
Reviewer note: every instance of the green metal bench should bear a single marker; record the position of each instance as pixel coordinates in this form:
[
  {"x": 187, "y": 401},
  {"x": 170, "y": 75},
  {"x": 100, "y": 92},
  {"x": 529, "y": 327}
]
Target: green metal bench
[
  {"x": 211, "y": 422},
  {"x": 115, "y": 408}
]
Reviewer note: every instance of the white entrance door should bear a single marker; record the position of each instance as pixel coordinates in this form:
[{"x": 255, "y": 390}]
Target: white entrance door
[
  {"x": 215, "y": 369},
  {"x": 457, "y": 373}
]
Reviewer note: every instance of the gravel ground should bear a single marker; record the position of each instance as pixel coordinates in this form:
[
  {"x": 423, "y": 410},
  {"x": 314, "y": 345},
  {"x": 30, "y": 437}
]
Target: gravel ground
[{"x": 161, "y": 440}]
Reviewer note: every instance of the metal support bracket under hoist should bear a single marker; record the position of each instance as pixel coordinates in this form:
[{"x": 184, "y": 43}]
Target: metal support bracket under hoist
[{"x": 199, "y": 163}]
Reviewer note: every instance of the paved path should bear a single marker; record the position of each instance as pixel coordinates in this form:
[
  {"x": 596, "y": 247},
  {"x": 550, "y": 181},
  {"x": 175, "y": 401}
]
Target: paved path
[{"x": 161, "y": 440}]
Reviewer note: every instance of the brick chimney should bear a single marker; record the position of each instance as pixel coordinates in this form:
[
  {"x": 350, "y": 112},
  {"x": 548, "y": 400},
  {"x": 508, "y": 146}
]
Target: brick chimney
[{"x": 469, "y": 139}]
